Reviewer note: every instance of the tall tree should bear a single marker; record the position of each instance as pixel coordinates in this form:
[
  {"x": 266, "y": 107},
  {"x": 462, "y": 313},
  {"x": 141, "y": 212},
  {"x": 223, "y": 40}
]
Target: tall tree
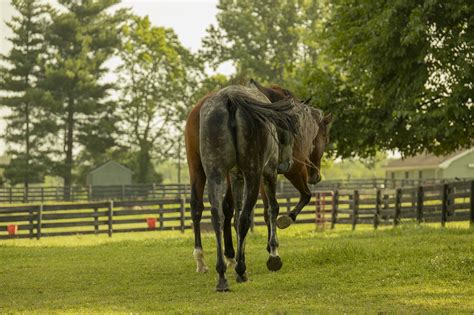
[
  {"x": 156, "y": 78},
  {"x": 261, "y": 38},
  {"x": 83, "y": 36},
  {"x": 20, "y": 72},
  {"x": 411, "y": 63}
]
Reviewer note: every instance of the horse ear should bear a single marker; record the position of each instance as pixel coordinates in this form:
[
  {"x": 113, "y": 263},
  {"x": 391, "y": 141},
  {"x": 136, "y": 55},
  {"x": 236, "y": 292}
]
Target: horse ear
[
  {"x": 327, "y": 119},
  {"x": 255, "y": 84}
]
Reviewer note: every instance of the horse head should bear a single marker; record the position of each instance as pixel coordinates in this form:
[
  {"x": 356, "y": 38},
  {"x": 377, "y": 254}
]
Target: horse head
[{"x": 319, "y": 145}]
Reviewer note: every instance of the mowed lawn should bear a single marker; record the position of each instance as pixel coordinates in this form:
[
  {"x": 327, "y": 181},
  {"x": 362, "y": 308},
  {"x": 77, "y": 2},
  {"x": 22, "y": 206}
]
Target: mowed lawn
[{"x": 406, "y": 269}]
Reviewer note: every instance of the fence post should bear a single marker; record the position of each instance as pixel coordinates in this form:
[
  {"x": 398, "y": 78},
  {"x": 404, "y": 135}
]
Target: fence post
[
  {"x": 182, "y": 212},
  {"x": 161, "y": 216},
  {"x": 378, "y": 203},
  {"x": 96, "y": 221},
  {"x": 110, "y": 214},
  {"x": 30, "y": 211},
  {"x": 398, "y": 201},
  {"x": 419, "y": 205},
  {"x": 25, "y": 194},
  {"x": 334, "y": 209},
  {"x": 317, "y": 209},
  {"x": 42, "y": 194},
  {"x": 40, "y": 219},
  {"x": 355, "y": 209},
  {"x": 122, "y": 192},
  {"x": 444, "y": 205},
  {"x": 153, "y": 188},
  {"x": 288, "y": 205},
  {"x": 471, "y": 221}
]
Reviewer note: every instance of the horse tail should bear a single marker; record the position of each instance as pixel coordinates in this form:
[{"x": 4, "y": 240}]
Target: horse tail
[{"x": 281, "y": 113}]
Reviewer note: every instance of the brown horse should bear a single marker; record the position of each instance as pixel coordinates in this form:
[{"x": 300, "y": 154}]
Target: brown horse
[{"x": 306, "y": 166}]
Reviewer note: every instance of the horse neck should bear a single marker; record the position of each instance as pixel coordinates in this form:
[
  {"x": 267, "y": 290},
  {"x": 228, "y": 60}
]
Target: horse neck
[{"x": 307, "y": 132}]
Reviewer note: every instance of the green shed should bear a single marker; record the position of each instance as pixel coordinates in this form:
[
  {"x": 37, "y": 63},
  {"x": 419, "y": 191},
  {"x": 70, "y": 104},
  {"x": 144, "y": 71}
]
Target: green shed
[
  {"x": 110, "y": 173},
  {"x": 459, "y": 164}
]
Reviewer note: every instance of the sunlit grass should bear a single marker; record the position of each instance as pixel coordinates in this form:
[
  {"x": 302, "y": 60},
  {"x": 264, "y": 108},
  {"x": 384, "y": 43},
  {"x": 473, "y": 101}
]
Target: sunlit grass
[{"x": 405, "y": 269}]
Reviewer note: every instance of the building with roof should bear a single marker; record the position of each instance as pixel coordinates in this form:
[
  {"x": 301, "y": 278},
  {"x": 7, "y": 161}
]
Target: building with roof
[
  {"x": 109, "y": 173},
  {"x": 459, "y": 164}
]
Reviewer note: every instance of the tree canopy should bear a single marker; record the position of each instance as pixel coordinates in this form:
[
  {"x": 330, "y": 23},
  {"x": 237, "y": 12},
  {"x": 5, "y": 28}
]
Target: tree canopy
[{"x": 396, "y": 75}]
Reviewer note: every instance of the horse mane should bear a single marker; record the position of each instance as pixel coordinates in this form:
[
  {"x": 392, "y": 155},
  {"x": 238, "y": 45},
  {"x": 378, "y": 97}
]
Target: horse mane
[{"x": 309, "y": 123}]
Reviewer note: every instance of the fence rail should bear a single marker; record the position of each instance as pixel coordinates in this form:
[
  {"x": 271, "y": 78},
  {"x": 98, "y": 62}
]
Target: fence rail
[
  {"x": 431, "y": 203},
  {"x": 44, "y": 194}
]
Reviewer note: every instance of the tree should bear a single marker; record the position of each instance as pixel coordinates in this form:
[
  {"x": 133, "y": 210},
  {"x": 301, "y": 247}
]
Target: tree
[
  {"x": 82, "y": 37},
  {"x": 410, "y": 64},
  {"x": 156, "y": 79},
  {"x": 262, "y": 38},
  {"x": 20, "y": 73}
]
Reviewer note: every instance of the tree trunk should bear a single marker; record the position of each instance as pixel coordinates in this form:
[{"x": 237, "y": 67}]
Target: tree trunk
[
  {"x": 69, "y": 146},
  {"x": 143, "y": 163}
]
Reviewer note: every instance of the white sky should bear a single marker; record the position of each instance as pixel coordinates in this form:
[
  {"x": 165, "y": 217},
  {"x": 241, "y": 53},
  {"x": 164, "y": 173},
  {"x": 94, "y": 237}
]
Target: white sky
[{"x": 188, "y": 18}]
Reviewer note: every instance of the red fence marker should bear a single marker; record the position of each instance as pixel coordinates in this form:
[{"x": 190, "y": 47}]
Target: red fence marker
[
  {"x": 151, "y": 223},
  {"x": 12, "y": 229}
]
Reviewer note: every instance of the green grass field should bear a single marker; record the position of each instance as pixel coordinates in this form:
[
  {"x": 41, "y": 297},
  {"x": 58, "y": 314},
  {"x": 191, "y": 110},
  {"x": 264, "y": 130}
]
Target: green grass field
[{"x": 407, "y": 269}]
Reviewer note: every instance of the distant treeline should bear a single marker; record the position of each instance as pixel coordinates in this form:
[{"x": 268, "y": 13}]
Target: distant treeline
[{"x": 84, "y": 83}]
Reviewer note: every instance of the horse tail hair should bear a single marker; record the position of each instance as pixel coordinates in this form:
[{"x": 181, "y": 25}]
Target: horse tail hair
[{"x": 281, "y": 113}]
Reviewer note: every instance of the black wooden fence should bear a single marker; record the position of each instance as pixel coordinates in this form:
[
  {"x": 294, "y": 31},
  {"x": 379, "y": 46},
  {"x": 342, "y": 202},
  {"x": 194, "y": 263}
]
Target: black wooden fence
[
  {"x": 42, "y": 194},
  {"x": 432, "y": 203}
]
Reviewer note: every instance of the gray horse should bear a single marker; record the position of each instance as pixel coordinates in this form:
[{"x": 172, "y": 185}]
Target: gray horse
[{"x": 245, "y": 137}]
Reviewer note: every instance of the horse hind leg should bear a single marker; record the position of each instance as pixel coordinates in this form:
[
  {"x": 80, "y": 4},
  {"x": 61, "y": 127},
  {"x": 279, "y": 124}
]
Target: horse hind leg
[
  {"x": 274, "y": 262},
  {"x": 197, "y": 206},
  {"x": 216, "y": 198},
  {"x": 251, "y": 187},
  {"x": 234, "y": 196},
  {"x": 228, "y": 208}
]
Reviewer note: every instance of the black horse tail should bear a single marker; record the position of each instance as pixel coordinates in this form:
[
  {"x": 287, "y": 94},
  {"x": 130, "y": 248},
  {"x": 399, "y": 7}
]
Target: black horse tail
[{"x": 281, "y": 113}]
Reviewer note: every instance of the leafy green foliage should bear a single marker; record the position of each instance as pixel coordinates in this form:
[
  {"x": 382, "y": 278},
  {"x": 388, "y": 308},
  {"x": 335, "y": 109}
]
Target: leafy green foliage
[
  {"x": 76, "y": 97},
  {"x": 261, "y": 40},
  {"x": 20, "y": 73},
  {"x": 410, "y": 62},
  {"x": 154, "y": 78},
  {"x": 397, "y": 75}
]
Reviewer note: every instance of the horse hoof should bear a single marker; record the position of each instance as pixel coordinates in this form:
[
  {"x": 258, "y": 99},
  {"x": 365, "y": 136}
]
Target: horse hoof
[
  {"x": 222, "y": 286},
  {"x": 284, "y": 221},
  {"x": 274, "y": 263},
  {"x": 241, "y": 278}
]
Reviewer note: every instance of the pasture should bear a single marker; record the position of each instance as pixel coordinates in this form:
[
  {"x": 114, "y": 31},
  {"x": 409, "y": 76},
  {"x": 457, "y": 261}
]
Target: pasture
[{"x": 405, "y": 269}]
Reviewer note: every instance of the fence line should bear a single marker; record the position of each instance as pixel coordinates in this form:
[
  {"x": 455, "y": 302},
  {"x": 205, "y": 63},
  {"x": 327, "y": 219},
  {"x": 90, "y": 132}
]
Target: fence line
[
  {"x": 44, "y": 194},
  {"x": 432, "y": 203}
]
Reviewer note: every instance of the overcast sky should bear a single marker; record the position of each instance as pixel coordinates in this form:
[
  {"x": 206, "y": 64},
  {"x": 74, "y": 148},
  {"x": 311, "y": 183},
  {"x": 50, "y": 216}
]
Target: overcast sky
[{"x": 189, "y": 19}]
